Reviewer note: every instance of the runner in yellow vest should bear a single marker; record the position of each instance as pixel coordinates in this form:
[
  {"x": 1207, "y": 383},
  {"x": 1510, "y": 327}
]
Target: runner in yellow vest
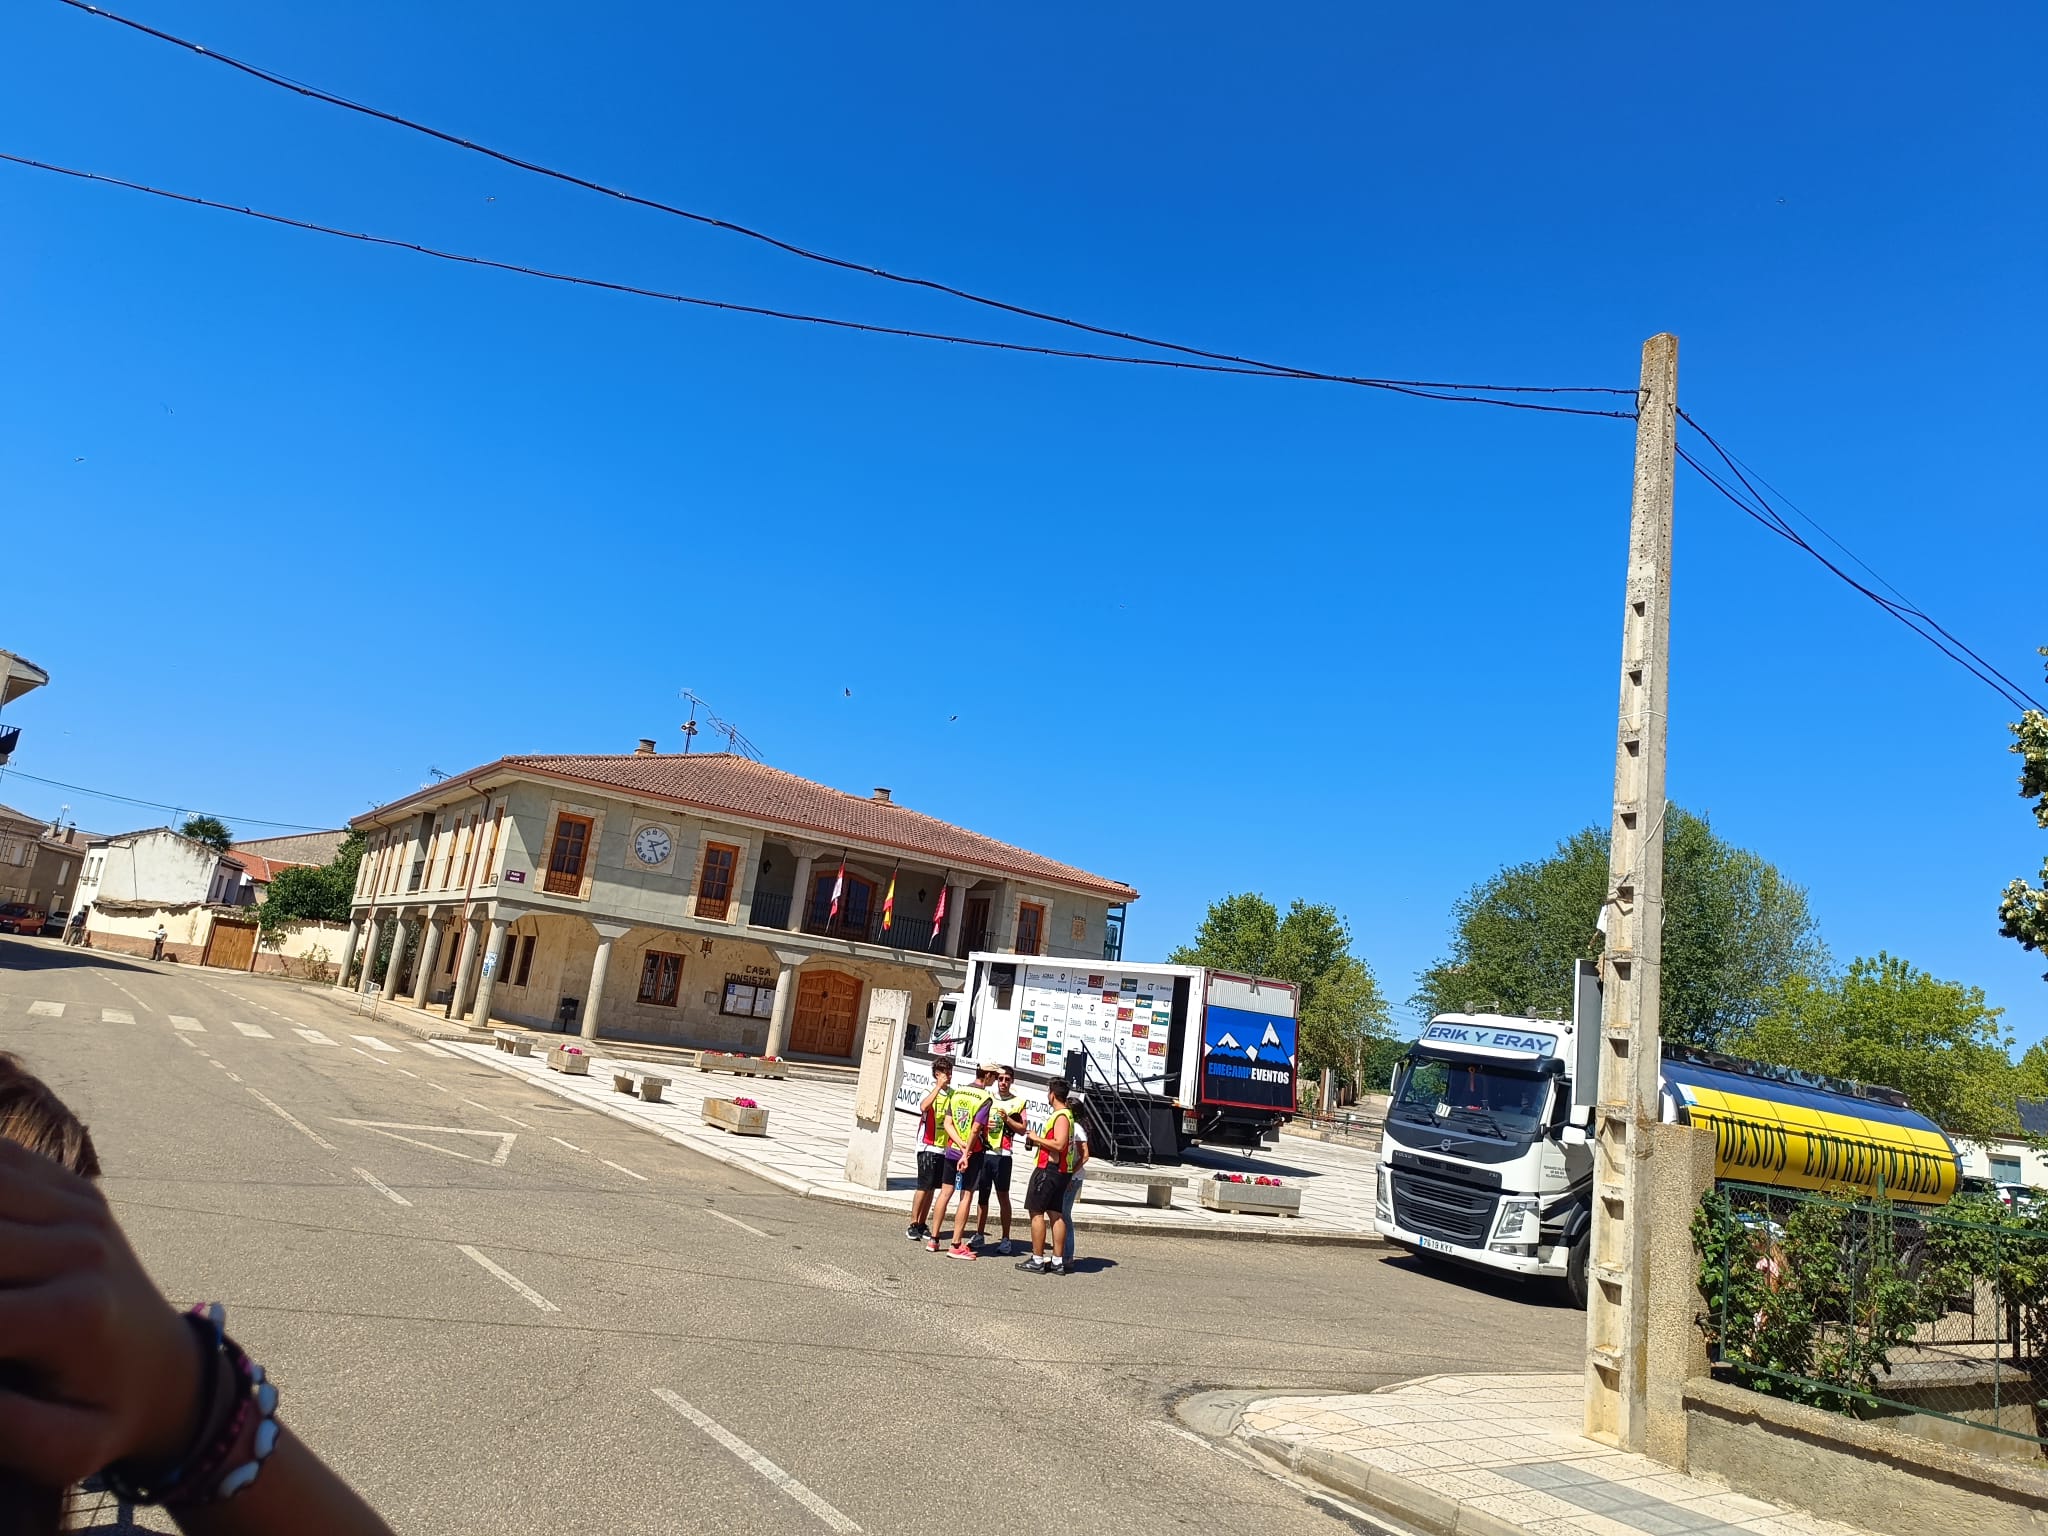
[
  {"x": 966, "y": 1131},
  {"x": 931, "y": 1147},
  {"x": 1044, "y": 1196},
  {"x": 1005, "y": 1121}
]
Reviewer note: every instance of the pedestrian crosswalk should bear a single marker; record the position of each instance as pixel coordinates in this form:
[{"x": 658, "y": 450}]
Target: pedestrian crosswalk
[{"x": 375, "y": 1047}]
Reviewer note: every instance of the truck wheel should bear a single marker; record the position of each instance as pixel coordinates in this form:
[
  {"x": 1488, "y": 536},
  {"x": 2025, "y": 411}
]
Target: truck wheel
[{"x": 1575, "y": 1271}]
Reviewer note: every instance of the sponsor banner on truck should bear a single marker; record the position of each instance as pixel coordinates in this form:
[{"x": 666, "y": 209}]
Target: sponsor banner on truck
[{"x": 1247, "y": 1059}]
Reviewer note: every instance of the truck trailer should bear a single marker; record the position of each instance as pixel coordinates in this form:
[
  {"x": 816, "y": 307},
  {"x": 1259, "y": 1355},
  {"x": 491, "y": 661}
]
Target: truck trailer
[
  {"x": 1164, "y": 1056},
  {"x": 1486, "y": 1155}
]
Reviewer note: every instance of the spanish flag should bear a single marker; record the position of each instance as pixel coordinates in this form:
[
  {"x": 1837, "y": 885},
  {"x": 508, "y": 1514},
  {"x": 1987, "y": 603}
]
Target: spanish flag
[{"x": 889, "y": 902}]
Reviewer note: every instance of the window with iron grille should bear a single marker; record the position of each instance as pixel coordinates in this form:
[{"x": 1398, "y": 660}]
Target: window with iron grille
[
  {"x": 661, "y": 977},
  {"x": 566, "y": 859}
]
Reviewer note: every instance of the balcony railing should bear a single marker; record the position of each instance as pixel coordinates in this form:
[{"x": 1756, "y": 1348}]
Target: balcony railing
[{"x": 769, "y": 910}]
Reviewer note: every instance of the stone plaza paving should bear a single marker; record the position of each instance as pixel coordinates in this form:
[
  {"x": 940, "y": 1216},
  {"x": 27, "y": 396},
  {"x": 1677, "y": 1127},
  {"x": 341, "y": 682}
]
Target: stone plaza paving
[{"x": 810, "y": 1123}]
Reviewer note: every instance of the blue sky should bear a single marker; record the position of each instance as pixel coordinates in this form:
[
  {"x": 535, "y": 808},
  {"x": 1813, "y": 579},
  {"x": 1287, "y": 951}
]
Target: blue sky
[{"x": 292, "y": 520}]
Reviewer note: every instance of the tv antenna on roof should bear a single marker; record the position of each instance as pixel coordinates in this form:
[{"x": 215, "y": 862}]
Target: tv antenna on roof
[{"x": 735, "y": 740}]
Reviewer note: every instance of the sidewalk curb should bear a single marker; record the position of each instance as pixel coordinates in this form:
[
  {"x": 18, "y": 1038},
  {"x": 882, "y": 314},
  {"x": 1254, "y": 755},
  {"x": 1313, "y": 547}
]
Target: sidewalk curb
[
  {"x": 893, "y": 1200},
  {"x": 1388, "y": 1492}
]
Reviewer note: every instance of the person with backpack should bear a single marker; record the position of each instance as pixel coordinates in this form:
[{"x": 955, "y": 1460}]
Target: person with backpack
[
  {"x": 1005, "y": 1122},
  {"x": 966, "y": 1131},
  {"x": 1045, "y": 1196},
  {"x": 1072, "y": 1193},
  {"x": 931, "y": 1146}
]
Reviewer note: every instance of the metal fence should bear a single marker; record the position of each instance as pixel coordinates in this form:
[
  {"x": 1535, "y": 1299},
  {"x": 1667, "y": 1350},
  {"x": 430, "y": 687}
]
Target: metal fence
[{"x": 1876, "y": 1309}]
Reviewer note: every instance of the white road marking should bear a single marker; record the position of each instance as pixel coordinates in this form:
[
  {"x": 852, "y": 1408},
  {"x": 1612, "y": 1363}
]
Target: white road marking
[
  {"x": 407, "y": 1072},
  {"x": 629, "y": 1173},
  {"x": 365, "y": 1054},
  {"x": 254, "y": 1031},
  {"x": 708, "y": 1211},
  {"x": 381, "y": 1187},
  {"x": 138, "y": 1002},
  {"x": 436, "y": 1087},
  {"x": 391, "y": 1128},
  {"x": 116, "y": 1016},
  {"x": 188, "y": 1040},
  {"x": 561, "y": 1143},
  {"x": 761, "y": 1464},
  {"x": 311, "y": 1036},
  {"x": 377, "y": 1045},
  {"x": 218, "y": 1062},
  {"x": 290, "y": 1119},
  {"x": 427, "y": 1046},
  {"x": 233, "y": 1077},
  {"x": 189, "y": 1026},
  {"x": 43, "y": 1010},
  {"x": 511, "y": 1279}
]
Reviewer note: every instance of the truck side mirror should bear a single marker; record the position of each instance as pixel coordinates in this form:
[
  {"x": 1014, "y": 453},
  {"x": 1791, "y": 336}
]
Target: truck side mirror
[{"x": 1573, "y": 1136}]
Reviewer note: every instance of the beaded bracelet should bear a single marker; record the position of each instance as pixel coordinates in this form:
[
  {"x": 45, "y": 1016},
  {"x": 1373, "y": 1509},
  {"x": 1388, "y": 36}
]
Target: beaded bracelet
[{"x": 201, "y": 1475}]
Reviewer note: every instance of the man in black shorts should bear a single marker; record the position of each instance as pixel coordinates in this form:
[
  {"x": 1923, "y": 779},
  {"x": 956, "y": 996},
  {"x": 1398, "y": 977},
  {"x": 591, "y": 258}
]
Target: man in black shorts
[
  {"x": 1045, "y": 1195},
  {"x": 1005, "y": 1123},
  {"x": 932, "y": 1167}
]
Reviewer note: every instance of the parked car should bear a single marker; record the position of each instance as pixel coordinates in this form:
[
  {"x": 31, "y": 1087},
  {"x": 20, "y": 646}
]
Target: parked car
[
  {"x": 18, "y": 917},
  {"x": 2020, "y": 1197},
  {"x": 53, "y": 925}
]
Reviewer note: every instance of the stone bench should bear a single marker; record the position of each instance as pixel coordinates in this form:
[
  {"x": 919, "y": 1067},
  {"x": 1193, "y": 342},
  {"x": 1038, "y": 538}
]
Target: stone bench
[
  {"x": 632, "y": 1080},
  {"x": 1159, "y": 1187},
  {"x": 514, "y": 1042}
]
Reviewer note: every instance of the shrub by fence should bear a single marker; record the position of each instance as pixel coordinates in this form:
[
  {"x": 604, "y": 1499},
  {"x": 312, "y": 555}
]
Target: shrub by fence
[{"x": 1870, "y": 1308}]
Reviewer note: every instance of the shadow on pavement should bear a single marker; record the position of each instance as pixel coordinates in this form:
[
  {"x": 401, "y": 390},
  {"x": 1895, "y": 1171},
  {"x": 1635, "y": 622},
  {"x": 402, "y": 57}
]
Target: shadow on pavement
[
  {"x": 1082, "y": 1266},
  {"x": 1547, "y": 1294},
  {"x": 21, "y": 955}
]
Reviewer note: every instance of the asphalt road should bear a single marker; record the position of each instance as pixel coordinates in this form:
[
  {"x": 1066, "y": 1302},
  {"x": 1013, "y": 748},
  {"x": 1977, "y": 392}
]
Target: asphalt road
[{"x": 495, "y": 1311}]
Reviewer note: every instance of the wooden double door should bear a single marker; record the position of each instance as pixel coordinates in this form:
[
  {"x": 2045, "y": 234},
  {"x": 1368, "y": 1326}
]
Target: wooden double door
[
  {"x": 230, "y": 946},
  {"x": 827, "y": 1013}
]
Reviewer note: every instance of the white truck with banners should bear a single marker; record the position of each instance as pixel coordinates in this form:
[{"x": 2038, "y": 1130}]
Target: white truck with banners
[
  {"x": 1167, "y": 1055},
  {"x": 1486, "y": 1156}
]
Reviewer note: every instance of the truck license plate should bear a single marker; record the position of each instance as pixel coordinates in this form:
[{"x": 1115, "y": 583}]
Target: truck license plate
[{"x": 1439, "y": 1245}]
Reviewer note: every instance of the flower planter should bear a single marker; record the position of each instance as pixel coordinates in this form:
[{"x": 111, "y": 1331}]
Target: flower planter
[
  {"x": 740, "y": 1119},
  {"x": 575, "y": 1063},
  {"x": 744, "y": 1065},
  {"x": 1257, "y": 1199}
]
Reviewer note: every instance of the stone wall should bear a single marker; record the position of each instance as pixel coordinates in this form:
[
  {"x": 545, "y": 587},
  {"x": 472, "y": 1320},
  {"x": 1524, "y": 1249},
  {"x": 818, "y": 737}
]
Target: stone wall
[{"x": 1866, "y": 1475}]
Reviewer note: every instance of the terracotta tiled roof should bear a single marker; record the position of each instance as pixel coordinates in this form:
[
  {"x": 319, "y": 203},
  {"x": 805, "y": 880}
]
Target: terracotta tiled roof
[
  {"x": 722, "y": 782},
  {"x": 258, "y": 867}
]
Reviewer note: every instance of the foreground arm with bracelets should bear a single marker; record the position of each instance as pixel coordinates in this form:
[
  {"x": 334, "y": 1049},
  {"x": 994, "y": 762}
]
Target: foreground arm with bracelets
[{"x": 99, "y": 1373}]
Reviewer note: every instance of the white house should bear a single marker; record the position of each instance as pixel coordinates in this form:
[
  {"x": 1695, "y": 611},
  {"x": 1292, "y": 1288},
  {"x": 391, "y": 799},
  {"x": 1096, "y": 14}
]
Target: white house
[
  {"x": 160, "y": 866},
  {"x": 2013, "y": 1159}
]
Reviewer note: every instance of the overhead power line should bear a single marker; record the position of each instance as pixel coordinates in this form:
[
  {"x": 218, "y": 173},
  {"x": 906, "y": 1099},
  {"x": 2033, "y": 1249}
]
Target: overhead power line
[
  {"x": 712, "y": 221},
  {"x": 1760, "y": 508},
  {"x": 1434, "y": 392},
  {"x": 158, "y": 805}
]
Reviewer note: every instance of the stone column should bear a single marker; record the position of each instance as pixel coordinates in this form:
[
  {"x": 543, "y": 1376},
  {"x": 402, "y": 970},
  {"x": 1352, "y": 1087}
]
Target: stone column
[
  {"x": 490, "y": 970},
  {"x": 396, "y": 967},
  {"x": 607, "y": 933},
  {"x": 348, "y": 949},
  {"x": 370, "y": 936},
  {"x": 956, "y": 898},
  {"x": 785, "y": 1001},
  {"x": 430, "y": 956},
  {"x": 800, "y": 896},
  {"x": 465, "y": 970}
]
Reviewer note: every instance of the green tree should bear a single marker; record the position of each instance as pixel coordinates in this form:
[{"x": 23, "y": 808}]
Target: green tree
[
  {"x": 1734, "y": 929},
  {"x": 2023, "y": 910},
  {"x": 1887, "y": 1022},
  {"x": 2033, "y": 1071},
  {"x": 1343, "y": 1016},
  {"x": 210, "y": 830},
  {"x": 312, "y": 893}
]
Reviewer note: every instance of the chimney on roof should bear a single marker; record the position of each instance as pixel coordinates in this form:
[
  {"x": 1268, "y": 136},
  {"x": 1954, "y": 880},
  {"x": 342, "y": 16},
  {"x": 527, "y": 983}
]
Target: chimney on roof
[
  {"x": 646, "y": 747},
  {"x": 882, "y": 796}
]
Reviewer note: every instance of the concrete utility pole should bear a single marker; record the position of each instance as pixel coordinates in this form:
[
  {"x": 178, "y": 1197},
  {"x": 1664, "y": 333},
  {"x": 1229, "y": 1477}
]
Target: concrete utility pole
[{"x": 1630, "y": 1046}]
